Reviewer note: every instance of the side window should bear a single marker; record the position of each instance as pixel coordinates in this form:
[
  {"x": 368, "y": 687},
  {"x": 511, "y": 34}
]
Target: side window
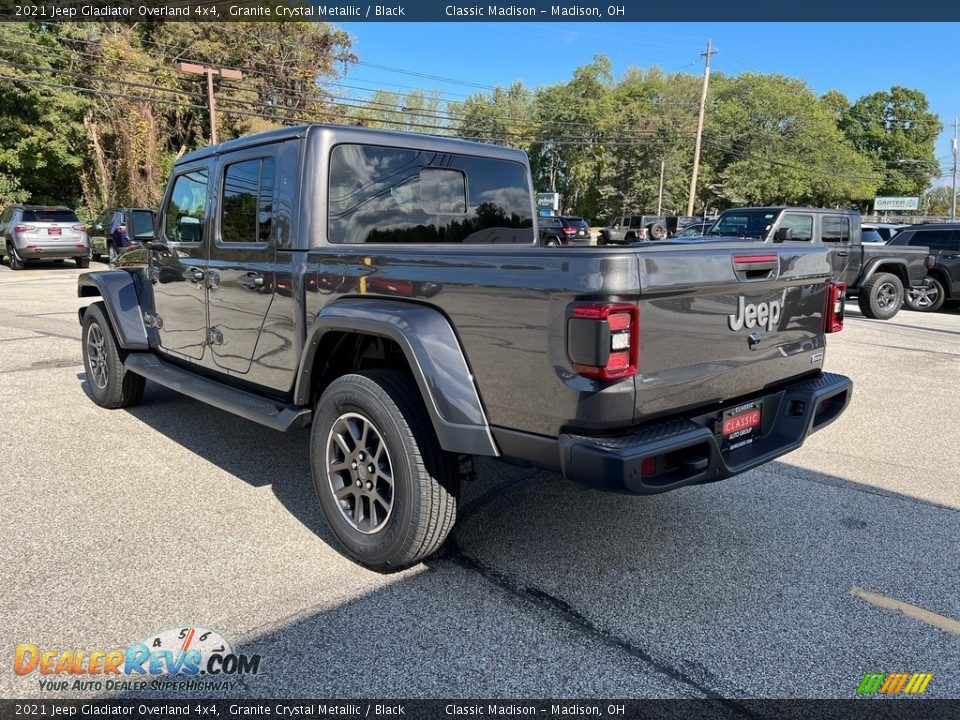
[
  {"x": 399, "y": 195},
  {"x": 246, "y": 211},
  {"x": 836, "y": 228},
  {"x": 953, "y": 245},
  {"x": 186, "y": 210},
  {"x": 801, "y": 227},
  {"x": 933, "y": 239}
]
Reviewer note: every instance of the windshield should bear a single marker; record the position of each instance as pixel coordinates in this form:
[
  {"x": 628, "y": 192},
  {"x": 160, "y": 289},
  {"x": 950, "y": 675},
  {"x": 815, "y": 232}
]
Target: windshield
[
  {"x": 744, "y": 223},
  {"x": 694, "y": 231}
]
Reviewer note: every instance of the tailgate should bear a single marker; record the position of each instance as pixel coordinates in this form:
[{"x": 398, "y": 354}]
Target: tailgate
[{"x": 725, "y": 320}]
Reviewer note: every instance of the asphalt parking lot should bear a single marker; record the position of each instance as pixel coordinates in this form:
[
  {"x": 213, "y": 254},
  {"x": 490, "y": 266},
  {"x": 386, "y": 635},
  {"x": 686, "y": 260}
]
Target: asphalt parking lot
[{"x": 793, "y": 580}]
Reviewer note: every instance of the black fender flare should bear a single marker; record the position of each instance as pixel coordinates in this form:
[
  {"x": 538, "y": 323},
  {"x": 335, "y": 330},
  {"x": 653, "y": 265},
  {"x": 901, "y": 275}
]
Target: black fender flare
[
  {"x": 896, "y": 266},
  {"x": 435, "y": 357},
  {"x": 120, "y": 292}
]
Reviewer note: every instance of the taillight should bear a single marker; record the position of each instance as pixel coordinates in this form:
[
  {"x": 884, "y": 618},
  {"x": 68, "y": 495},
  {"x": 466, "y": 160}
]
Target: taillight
[
  {"x": 122, "y": 229},
  {"x": 603, "y": 340},
  {"x": 836, "y": 296},
  {"x": 78, "y": 227},
  {"x": 24, "y": 228},
  {"x": 570, "y": 231},
  {"x": 931, "y": 261}
]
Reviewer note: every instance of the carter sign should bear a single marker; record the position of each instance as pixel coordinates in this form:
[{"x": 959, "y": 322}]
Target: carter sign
[{"x": 760, "y": 315}]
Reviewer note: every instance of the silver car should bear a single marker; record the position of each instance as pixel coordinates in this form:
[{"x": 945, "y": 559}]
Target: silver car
[{"x": 39, "y": 232}]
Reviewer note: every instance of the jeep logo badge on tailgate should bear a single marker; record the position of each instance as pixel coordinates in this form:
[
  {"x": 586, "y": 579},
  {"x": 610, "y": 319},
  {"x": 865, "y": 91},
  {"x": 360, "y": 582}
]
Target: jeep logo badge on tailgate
[{"x": 750, "y": 315}]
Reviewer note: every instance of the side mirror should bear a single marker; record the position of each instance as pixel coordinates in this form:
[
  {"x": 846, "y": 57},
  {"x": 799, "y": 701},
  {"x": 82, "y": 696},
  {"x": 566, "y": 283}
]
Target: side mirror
[{"x": 783, "y": 235}]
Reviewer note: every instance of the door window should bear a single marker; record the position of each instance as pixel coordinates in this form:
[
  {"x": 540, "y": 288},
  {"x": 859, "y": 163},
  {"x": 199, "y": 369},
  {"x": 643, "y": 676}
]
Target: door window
[
  {"x": 186, "y": 210},
  {"x": 836, "y": 228},
  {"x": 933, "y": 239},
  {"x": 801, "y": 227},
  {"x": 246, "y": 214}
]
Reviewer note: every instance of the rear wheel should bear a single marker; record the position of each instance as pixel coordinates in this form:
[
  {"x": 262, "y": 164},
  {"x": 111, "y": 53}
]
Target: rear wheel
[
  {"x": 386, "y": 488},
  {"x": 926, "y": 298},
  {"x": 552, "y": 242},
  {"x": 112, "y": 256},
  {"x": 881, "y": 297},
  {"x": 111, "y": 385},
  {"x": 15, "y": 261},
  {"x": 82, "y": 262}
]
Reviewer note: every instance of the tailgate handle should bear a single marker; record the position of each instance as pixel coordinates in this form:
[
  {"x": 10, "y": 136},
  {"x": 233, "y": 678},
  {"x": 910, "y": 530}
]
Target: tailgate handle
[{"x": 749, "y": 268}]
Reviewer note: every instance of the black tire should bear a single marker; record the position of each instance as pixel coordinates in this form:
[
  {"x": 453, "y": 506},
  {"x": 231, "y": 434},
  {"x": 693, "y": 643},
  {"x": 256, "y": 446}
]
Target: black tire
[
  {"x": 111, "y": 385},
  {"x": 602, "y": 239},
  {"x": 14, "y": 260},
  {"x": 112, "y": 256},
  {"x": 552, "y": 242},
  {"x": 881, "y": 297},
  {"x": 929, "y": 297},
  {"x": 423, "y": 490},
  {"x": 657, "y": 231},
  {"x": 96, "y": 256},
  {"x": 630, "y": 237},
  {"x": 82, "y": 262}
]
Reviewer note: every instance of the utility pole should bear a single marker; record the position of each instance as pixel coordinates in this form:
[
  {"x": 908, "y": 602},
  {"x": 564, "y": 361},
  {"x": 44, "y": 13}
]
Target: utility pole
[
  {"x": 663, "y": 166},
  {"x": 703, "y": 107},
  {"x": 211, "y": 103},
  {"x": 953, "y": 196}
]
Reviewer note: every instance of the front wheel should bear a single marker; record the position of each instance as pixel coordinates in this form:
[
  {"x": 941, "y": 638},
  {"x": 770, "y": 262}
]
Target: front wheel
[
  {"x": 928, "y": 297},
  {"x": 552, "y": 242},
  {"x": 111, "y": 384},
  {"x": 387, "y": 489},
  {"x": 881, "y": 297}
]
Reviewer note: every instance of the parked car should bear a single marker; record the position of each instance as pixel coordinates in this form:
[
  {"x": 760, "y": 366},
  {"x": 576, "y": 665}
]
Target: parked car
[
  {"x": 633, "y": 228},
  {"x": 885, "y": 230},
  {"x": 412, "y": 337},
  {"x": 697, "y": 229},
  {"x": 119, "y": 230},
  {"x": 40, "y": 232},
  {"x": 875, "y": 274},
  {"x": 942, "y": 283},
  {"x": 555, "y": 231}
]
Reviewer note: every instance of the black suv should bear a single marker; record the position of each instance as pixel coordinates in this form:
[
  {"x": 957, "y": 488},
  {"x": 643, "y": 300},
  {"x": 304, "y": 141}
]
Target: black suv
[
  {"x": 942, "y": 283},
  {"x": 555, "y": 231}
]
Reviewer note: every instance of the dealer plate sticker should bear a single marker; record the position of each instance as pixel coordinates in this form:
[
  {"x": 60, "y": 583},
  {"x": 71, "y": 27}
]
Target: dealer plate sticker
[{"x": 740, "y": 423}]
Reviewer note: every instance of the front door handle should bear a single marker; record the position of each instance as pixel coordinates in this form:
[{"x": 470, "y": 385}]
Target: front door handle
[
  {"x": 842, "y": 254},
  {"x": 251, "y": 280}
]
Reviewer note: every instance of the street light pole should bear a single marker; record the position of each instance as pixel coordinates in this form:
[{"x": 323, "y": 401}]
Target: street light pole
[
  {"x": 953, "y": 196},
  {"x": 211, "y": 102}
]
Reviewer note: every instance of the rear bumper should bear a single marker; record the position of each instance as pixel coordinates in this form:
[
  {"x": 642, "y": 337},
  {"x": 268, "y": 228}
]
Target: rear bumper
[
  {"x": 688, "y": 451},
  {"x": 42, "y": 251}
]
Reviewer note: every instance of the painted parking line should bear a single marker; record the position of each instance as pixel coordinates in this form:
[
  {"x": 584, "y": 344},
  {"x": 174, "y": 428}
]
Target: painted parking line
[{"x": 917, "y": 613}]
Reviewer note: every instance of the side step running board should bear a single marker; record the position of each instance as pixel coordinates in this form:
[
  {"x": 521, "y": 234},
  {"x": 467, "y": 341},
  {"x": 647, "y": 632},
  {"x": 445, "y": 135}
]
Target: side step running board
[{"x": 247, "y": 405}]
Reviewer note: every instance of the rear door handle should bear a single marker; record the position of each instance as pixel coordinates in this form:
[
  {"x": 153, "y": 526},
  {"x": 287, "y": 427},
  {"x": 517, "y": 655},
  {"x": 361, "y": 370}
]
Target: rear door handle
[{"x": 251, "y": 280}]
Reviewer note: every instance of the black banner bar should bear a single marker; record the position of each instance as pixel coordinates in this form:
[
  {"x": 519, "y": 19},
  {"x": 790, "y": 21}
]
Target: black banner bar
[
  {"x": 469, "y": 11},
  {"x": 860, "y": 709}
]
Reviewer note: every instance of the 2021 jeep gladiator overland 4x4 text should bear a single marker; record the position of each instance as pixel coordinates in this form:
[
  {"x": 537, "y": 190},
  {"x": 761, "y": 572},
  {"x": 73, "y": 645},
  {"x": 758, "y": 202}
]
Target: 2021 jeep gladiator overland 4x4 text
[{"x": 388, "y": 290}]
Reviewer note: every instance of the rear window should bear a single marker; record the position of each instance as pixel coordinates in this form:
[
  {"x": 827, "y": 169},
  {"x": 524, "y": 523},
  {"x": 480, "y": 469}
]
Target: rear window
[
  {"x": 933, "y": 239},
  {"x": 398, "y": 195},
  {"x": 577, "y": 222},
  {"x": 52, "y": 216}
]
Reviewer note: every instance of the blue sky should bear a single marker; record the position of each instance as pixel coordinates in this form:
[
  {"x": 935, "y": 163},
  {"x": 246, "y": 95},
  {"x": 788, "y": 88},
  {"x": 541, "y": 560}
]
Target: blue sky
[{"x": 855, "y": 58}]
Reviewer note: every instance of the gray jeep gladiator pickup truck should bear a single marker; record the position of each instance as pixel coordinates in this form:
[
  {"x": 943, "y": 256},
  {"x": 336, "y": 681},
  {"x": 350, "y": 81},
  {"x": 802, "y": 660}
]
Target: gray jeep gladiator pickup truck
[
  {"x": 875, "y": 274},
  {"x": 389, "y": 291}
]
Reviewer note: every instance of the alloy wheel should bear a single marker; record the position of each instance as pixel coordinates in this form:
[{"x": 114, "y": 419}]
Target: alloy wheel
[
  {"x": 360, "y": 473},
  {"x": 97, "y": 356}
]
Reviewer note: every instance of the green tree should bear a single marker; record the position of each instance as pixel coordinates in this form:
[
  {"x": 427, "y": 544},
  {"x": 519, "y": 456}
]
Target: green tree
[
  {"x": 938, "y": 201},
  {"x": 896, "y": 129},
  {"x": 771, "y": 140}
]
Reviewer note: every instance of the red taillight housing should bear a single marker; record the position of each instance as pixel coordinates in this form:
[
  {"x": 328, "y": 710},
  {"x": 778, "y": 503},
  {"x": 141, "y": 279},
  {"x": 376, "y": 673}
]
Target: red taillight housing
[
  {"x": 603, "y": 340},
  {"x": 570, "y": 231},
  {"x": 24, "y": 228},
  {"x": 836, "y": 296},
  {"x": 78, "y": 227}
]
